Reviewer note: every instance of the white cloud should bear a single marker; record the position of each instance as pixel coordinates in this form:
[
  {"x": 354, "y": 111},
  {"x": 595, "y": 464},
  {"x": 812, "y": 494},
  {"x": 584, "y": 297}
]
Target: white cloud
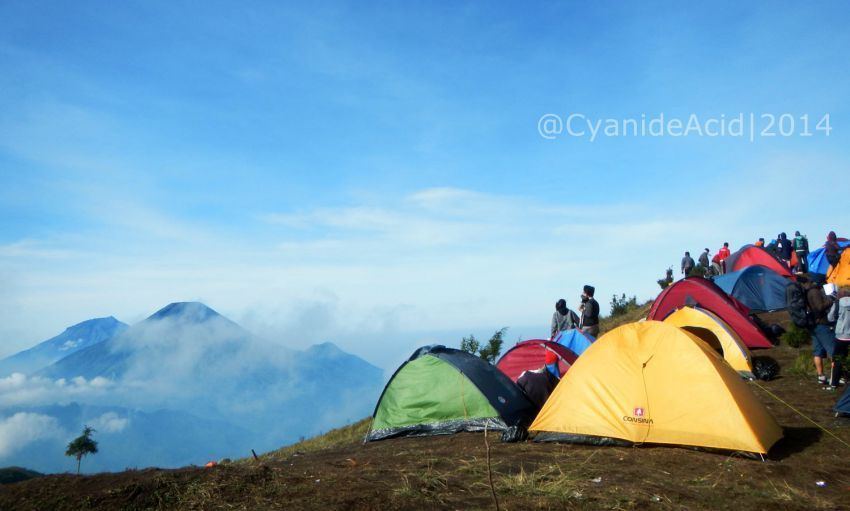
[
  {"x": 109, "y": 422},
  {"x": 18, "y": 389},
  {"x": 21, "y": 429}
]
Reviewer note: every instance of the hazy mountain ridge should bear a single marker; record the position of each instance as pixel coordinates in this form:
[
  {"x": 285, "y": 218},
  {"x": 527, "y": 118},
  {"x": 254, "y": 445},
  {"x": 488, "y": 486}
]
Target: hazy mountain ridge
[
  {"x": 75, "y": 338},
  {"x": 188, "y": 360}
]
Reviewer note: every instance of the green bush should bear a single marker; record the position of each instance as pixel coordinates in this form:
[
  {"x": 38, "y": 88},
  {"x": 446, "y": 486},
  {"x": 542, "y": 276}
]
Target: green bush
[
  {"x": 622, "y": 305},
  {"x": 796, "y": 337}
]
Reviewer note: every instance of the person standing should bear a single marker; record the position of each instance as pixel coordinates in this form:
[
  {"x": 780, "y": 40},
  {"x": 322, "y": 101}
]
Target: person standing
[
  {"x": 704, "y": 260},
  {"x": 823, "y": 336},
  {"x": 687, "y": 264},
  {"x": 784, "y": 249},
  {"x": 562, "y": 319},
  {"x": 840, "y": 313},
  {"x": 832, "y": 249},
  {"x": 589, "y": 311},
  {"x": 721, "y": 257},
  {"x": 801, "y": 248}
]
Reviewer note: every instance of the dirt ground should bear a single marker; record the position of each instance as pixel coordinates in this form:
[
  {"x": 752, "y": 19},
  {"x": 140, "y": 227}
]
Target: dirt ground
[{"x": 450, "y": 472}]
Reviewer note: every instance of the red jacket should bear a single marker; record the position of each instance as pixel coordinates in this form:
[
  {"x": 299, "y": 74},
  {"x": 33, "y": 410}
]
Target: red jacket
[{"x": 723, "y": 253}]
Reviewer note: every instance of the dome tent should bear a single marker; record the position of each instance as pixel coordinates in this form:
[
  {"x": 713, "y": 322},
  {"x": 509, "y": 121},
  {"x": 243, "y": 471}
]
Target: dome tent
[
  {"x": 654, "y": 383},
  {"x": 441, "y": 390},
  {"x": 717, "y": 334},
  {"x": 697, "y": 291},
  {"x": 758, "y": 287},
  {"x": 750, "y": 255},
  {"x": 531, "y": 354},
  {"x": 575, "y": 340}
]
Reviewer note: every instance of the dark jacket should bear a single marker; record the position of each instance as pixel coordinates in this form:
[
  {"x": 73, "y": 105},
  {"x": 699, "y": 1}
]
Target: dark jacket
[
  {"x": 590, "y": 313},
  {"x": 537, "y": 385},
  {"x": 819, "y": 304},
  {"x": 703, "y": 259},
  {"x": 784, "y": 247},
  {"x": 687, "y": 264}
]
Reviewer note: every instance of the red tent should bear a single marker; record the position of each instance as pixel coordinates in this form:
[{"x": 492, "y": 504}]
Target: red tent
[
  {"x": 750, "y": 255},
  {"x": 694, "y": 291},
  {"x": 528, "y": 355}
]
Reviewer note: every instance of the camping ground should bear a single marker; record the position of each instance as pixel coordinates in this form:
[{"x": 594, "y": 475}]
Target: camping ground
[{"x": 338, "y": 471}]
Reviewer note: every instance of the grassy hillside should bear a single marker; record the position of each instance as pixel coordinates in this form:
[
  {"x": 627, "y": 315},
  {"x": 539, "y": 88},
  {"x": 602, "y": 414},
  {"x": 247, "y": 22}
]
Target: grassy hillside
[
  {"x": 346, "y": 435},
  {"x": 337, "y": 471}
]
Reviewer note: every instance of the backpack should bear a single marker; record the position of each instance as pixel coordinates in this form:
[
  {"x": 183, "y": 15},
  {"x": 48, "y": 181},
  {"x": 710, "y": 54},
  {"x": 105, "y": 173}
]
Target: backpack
[{"x": 798, "y": 305}]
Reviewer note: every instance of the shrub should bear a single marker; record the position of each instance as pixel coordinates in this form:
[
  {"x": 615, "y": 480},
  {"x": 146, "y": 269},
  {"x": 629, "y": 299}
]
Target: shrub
[
  {"x": 622, "y": 305},
  {"x": 667, "y": 280},
  {"x": 796, "y": 336}
]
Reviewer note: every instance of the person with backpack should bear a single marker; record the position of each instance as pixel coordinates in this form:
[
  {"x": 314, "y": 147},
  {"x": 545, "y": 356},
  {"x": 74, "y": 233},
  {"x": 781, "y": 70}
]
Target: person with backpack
[
  {"x": 687, "y": 264},
  {"x": 538, "y": 384},
  {"x": 823, "y": 335},
  {"x": 840, "y": 314},
  {"x": 801, "y": 248},
  {"x": 562, "y": 319}
]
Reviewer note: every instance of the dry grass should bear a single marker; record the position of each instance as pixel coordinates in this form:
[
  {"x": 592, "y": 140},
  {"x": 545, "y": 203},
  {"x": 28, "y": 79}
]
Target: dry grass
[
  {"x": 802, "y": 365},
  {"x": 345, "y": 435},
  {"x": 609, "y": 323}
]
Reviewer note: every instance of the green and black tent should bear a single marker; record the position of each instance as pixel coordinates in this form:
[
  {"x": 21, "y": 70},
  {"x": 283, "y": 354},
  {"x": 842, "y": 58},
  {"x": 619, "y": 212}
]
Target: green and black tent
[{"x": 441, "y": 391}]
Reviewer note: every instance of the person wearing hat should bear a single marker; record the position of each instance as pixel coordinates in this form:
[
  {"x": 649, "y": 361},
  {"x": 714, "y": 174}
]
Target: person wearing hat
[
  {"x": 589, "y": 311},
  {"x": 539, "y": 384}
]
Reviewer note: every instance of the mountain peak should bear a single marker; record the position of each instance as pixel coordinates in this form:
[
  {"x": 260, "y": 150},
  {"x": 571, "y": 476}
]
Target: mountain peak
[{"x": 192, "y": 311}]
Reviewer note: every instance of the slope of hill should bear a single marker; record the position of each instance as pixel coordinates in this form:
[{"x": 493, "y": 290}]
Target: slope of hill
[
  {"x": 338, "y": 471},
  {"x": 75, "y": 338}
]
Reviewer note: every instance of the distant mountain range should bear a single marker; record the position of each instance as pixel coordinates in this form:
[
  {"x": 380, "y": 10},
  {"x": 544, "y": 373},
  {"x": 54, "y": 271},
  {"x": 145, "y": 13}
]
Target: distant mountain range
[{"x": 186, "y": 384}]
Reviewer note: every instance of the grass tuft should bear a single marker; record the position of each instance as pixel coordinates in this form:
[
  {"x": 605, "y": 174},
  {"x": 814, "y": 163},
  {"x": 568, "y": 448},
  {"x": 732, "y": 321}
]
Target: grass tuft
[{"x": 346, "y": 435}]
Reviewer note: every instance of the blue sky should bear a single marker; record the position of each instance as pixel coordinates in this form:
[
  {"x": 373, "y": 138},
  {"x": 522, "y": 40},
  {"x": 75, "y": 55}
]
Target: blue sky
[{"x": 372, "y": 174}]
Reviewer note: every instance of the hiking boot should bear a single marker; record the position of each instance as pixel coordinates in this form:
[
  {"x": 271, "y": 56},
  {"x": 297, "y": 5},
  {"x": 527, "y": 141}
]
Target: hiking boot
[{"x": 822, "y": 379}]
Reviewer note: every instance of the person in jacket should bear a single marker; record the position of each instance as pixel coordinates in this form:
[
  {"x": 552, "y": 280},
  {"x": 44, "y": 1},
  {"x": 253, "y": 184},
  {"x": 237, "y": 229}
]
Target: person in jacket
[
  {"x": 832, "y": 249},
  {"x": 589, "y": 309},
  {"x": 704, "y": 260},
  {"x": 539, "y": 384},
  {"x": 562, "y": 319},
  {"x": 801, "y": 248},
  {"x": 721, "y": 257},
  {"x": 760, "y": 243},
  {"x": 784, "y": 249},
  {"x": 840, "y": 314},
  {"x": 823, "y": 336},
  {"x": 687, "y": 264}
]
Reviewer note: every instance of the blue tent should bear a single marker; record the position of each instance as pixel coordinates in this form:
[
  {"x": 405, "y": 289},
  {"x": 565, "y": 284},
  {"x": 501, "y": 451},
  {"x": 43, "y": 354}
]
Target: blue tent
[
  {"x": 817, "y": 259},
  {"x": 758, "y": 287},
  {"x": 842, "y": 407},
  {"x": 576, "y": 340}
]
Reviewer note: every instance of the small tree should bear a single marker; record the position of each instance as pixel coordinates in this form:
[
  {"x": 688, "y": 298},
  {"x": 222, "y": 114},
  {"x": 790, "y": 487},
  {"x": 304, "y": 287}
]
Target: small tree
[
  {"x": 82, "y": 446},
  {"x": 490, "y": 352},
  {"x": 494, "y": 346},
  {"x": 667, "y": 280},
  {"x": 470, "y": 344}
]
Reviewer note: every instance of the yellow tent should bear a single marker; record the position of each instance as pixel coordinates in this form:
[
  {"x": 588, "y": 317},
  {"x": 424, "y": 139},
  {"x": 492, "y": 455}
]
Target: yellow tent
[
  {"x": 840, "y": 275},
  {"x": 652, "y": 382},
  {"x": 717, "y": 334}
]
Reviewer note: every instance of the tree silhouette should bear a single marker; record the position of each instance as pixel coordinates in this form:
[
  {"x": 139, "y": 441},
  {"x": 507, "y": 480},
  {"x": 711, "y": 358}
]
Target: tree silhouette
[{"x": 82, "y": 445}]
